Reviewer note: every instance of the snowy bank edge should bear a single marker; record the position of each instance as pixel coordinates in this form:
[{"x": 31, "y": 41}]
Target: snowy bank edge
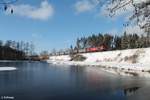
[
  {"x": 7, "y": 68},
  {"x": 109, "y": 67}
]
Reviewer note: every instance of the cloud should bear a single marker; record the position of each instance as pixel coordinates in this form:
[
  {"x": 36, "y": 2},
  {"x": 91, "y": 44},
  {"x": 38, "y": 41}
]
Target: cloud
[
  {"x": 43, "y": 12},
  {"x": 113, "y": 32},
  {"x": 36, "y": 36},
  {"x": 102, "y": 7},
  {"x": 85, "y": 5}
]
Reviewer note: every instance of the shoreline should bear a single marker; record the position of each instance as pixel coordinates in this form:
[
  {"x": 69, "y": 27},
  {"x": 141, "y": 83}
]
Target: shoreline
[
  {"x": 118, "y": 62},
  {"x": 21, "y": 61},
  {"x": 115, "y": 68}
]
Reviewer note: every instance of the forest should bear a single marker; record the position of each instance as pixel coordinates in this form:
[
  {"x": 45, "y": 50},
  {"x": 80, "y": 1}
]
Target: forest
[
  {"x": 125, "y": 41},
  {"x": 12, "y": 50}
]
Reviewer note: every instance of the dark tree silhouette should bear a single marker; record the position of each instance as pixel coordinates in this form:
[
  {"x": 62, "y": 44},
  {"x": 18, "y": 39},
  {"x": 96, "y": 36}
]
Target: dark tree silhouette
[
  {"x": 12, "y": 50},
  {"x": 126, "y": 41}
]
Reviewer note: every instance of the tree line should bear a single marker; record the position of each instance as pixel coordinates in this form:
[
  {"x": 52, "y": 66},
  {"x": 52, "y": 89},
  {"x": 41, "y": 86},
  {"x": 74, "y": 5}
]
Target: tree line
[
  {"x": 12, "y": 50},
  {"x": 125, "y": 41},
  {"x": 112, "y": 42}
]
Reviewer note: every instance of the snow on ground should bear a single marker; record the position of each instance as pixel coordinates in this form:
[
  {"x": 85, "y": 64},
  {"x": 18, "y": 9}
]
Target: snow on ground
[
  {"x": 7, "y": 68},
  {"x": 131, "y": 60},
  {"x": 60, "y": 58}
]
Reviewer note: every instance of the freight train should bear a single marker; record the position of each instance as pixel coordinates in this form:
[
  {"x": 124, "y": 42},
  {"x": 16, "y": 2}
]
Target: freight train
[
  {"x": 86, "y": 50},
  {"x": 92, "y": 49}
]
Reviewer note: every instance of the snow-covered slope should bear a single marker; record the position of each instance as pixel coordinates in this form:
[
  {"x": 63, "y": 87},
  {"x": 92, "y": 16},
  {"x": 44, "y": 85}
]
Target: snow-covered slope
[
  {"x": 141, "y": 55},
  {"x": 120, "y": 56}
]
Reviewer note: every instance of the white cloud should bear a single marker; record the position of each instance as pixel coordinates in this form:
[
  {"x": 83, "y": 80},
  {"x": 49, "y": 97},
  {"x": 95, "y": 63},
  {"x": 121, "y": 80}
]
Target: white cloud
[
  {"x": 36, "y": 36},
  {"x": 89, "y": 5},
  {"x": 43, "y": 12},
  {"x": 113, "y": 32},
  {"x": 85, "y": 5}
]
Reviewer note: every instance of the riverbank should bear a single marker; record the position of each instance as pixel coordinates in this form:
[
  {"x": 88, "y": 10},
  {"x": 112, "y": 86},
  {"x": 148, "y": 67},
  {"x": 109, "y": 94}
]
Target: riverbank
[{"x": 135, "y": 62}]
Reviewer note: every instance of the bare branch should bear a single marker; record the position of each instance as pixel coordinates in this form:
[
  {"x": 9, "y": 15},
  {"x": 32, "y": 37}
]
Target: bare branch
[{"x": 7, "y": 2}]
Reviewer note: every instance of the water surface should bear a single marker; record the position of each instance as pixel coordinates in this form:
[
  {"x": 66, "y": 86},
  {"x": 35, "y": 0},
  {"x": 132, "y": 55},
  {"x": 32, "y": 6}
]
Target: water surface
[{"x": 43, "y": 81}]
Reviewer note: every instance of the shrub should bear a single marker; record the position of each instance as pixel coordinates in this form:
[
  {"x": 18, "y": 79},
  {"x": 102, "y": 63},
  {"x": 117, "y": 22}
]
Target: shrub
[
  {"x": 132, "y": 59},
  {"x": 78, "y": 58}
]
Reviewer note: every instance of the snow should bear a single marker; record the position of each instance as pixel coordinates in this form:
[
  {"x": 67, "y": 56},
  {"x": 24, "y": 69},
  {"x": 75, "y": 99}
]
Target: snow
[
  {"x": 7, "y": 68},
  {"x": 60, "y": 58},
  {"x": 131, "y": 60}
]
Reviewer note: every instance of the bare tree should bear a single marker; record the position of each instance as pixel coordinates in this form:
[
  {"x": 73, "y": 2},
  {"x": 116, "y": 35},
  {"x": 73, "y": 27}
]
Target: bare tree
[
  {"x": 140, "y": 11},
  {"x": 6, "y": 5},
  {"x": 32, "y": 47}
]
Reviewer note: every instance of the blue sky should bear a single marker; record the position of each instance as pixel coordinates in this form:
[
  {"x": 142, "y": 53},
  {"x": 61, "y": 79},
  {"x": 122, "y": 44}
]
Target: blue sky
[{"x": 56, "y": 24}]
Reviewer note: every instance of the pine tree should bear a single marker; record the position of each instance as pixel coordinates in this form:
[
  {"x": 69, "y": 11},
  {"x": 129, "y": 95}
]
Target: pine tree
[{"x": 124, "y": 41}]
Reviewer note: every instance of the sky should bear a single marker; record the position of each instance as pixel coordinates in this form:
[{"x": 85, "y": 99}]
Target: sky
[{"x": 56, "y": 24}]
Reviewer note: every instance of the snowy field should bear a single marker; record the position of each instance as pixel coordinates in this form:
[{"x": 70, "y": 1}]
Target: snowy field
[{"x": 131, "y": 61}]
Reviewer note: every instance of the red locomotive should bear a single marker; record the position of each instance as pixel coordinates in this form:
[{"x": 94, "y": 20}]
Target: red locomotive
[{"x": 97, "y": 49}]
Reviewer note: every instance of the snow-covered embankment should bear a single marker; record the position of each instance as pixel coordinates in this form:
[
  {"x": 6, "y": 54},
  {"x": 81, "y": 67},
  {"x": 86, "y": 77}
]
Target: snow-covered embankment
[{"x": 131, "y": 61}]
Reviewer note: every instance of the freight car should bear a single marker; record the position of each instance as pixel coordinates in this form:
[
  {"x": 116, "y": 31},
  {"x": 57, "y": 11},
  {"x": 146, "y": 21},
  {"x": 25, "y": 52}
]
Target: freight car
[{"x": 91, "y": 49}]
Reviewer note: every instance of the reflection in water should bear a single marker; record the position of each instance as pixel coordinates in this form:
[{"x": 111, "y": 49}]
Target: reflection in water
[
  {"x": 127, "y": 91},
  {"x": 41, "y": 81},
  {"x": 130, "y": 91}
]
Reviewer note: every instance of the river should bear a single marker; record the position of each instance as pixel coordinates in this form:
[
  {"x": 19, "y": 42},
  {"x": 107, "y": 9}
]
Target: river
[{"x": 43, "y": 81}]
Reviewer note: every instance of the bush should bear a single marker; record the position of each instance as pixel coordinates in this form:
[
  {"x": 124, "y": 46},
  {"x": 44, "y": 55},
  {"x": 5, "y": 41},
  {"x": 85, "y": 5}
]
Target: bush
[
  {"x": 132, "y": 59},
  {"x": 77, "y": 58}
]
